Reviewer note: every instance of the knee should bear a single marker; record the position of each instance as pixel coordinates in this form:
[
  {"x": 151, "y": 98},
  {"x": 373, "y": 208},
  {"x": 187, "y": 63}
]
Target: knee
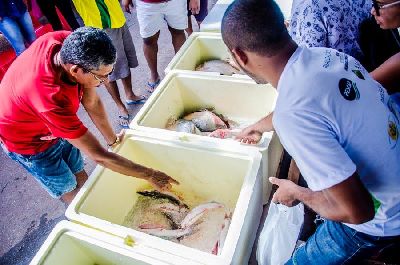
[
  {"x": 176, "y": 32},
  {"x": 151, "y": 41}
]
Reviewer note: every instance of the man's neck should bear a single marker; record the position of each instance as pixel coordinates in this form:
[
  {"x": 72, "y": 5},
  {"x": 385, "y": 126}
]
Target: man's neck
[
  {"x": 275, "y": 65},
  {"x": 60, "y": 67}
]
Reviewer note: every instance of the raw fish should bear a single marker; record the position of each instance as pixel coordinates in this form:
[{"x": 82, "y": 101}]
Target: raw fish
[
  {"x": 206, "y": 120},
  {"x": 220, "y": 66}
]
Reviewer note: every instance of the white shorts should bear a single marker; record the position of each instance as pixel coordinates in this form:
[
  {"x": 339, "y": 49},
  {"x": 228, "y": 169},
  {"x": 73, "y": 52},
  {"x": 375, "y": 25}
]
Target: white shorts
[{"x": 151, "y": 17}]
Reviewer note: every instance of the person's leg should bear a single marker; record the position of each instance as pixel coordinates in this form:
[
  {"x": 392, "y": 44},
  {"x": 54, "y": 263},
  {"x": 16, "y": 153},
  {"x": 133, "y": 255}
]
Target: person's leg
[
  {"x": 73, "y": 159},
  {"x": 81, "y": 178},
  {"x": 65, "y": 7},
  {"x": 130, "y": 55},
  {"x": 176, "y": 17},
  {"x": 26, "y": 26},
  {"x": 178, "y": 38},
  {"x": 189, "y": 29},
  {"x": 113, "y": 90},
  {"x": 48, "y": 9},
  {"x": 151, "y": 19},
  {"x": 150, "y": 50},
  {"x": 333, "y": 243},
  {"x": 9, "y": 27},
  {"x": 53, "y": 168},
  {"x": 121, "y": 70}
]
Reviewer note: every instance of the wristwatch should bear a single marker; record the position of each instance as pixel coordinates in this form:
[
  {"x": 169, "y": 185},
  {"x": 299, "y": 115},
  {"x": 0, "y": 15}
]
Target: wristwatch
[{"x": 117, "y": 141}]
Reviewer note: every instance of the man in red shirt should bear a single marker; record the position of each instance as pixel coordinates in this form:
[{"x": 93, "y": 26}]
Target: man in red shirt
[{"x": 39, "y": 127}]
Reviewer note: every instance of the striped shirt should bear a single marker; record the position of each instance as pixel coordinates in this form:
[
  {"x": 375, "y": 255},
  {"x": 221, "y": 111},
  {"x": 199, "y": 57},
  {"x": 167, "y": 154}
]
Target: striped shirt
[{"x": 102, "y": 14}]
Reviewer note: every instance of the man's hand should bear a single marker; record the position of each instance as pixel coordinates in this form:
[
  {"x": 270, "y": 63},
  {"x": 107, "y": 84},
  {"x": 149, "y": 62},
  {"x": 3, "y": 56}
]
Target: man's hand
[
  {"x": 161, "y": 181},
  {"x": 285, "y": 194},
  {"x": 127, "y": 4},
  {"x": 1, "y": 19},
  {"x": 249, "y": 135},
  {"x": 194, "y": 6}
]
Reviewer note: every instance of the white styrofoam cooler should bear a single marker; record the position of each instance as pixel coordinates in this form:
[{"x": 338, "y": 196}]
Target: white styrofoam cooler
[
  {"x": 198, "y": 48},
  {"x": 206, "y": 173},
  {"x": 75, "y": 244},
  {"x": 237, "y": 99}
]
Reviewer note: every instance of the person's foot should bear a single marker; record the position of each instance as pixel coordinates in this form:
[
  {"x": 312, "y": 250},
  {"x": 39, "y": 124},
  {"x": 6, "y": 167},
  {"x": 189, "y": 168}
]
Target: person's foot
[
  {"x": 151, "y": 86},
  {"x": 123, "y": 120},
  {"x": 136, "y": 100}
]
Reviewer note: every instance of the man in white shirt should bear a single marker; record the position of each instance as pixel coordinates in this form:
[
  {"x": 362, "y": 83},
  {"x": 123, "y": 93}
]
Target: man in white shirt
[{"x": 340, "y": 126}]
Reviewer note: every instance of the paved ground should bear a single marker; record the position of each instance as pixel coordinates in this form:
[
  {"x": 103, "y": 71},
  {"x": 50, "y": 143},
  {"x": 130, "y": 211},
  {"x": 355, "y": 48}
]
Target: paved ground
[{"x": 27, "y": 212}]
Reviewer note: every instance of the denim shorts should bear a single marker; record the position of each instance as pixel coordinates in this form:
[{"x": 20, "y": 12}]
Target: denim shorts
[{"x": 54, "y": 168}]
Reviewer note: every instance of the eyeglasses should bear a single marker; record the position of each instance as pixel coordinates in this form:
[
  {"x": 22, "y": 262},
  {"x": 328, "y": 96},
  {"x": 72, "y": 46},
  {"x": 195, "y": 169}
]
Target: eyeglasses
[
  {"x": 378, "y": 6},
  {"x": 100, "y": 78}
]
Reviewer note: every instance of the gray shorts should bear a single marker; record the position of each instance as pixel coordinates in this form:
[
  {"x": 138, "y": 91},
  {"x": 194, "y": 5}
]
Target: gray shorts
[{"x": 126, "y": 53}]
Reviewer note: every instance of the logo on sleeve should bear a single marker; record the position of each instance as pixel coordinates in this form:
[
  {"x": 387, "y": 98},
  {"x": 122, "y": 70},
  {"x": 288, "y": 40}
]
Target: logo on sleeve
[
  {"x": 348, "y": 89},
  {"x": 358, "y": 74}
]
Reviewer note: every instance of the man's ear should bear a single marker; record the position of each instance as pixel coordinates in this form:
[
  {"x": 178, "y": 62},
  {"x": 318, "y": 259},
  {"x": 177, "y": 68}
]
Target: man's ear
[
  {"x": 240, "y": 56},
  {"x": 73, "y": 70}
]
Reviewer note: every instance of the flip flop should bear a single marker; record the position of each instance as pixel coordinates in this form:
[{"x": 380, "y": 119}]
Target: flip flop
[
  {"x": 138, "y": 101},
  {"x": 126, "y": 119},
  {"x": 152, "y": 86}
]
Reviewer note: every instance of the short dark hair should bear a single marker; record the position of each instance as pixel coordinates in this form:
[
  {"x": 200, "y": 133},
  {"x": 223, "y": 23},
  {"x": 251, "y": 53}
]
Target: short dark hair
[
  {"x": 256, "y": 26},
  {"x": 89, "y": 48}
]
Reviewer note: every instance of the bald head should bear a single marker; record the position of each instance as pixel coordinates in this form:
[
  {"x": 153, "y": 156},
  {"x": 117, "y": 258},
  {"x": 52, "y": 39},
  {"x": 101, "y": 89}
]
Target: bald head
[{"x": 255, "y": 26}]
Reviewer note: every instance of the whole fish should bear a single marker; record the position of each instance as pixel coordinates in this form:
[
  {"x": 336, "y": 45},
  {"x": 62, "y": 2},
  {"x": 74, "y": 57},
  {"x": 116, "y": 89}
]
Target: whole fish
[
  {"x": 166, "y": 233},
  {"x": 196, "y": 213},
  {"x": 220, "y": 66},
  {"x": 175, "y": 213},
  {"x": 206, "y": 120},
  {"x": 145, "y": 210},
  {"x": 207, "y": 231},
  {"x": 182, "y": 125}
]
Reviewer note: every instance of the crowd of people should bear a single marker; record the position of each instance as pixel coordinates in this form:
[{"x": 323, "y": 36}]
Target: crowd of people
[{"x": 338, "y": 123}]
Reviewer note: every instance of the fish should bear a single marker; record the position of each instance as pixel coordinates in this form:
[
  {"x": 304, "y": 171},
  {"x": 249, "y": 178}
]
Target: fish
[
  {"x": 224, "y": 233},
  {"x": 146, "y": 210},
  {"x": 206, "y": 120},
  {"x": 169, "y": 196},
  {"x": 166, "y": 233},
  {"x": 196, "y": 213},
  {"x": 206, "y": 233},
  {"x": 182, "y": 125},
  {"x": 174, "y": 213},
  {"x": 224, "y": 67}
]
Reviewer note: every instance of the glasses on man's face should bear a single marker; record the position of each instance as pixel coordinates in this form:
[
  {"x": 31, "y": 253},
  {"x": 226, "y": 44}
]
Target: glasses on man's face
[
  {"x": 378, "y": 6},
  {"x": 100, "y": 78}
]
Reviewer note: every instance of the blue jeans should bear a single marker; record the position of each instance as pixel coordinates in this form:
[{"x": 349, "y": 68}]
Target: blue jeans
[
  {"x": 54, "y": 168},
  {"x": 336, "y": 243},
  {"x": 18, "y": 31}
]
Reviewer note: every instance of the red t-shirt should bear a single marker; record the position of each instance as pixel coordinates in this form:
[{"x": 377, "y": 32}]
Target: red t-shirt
[{"x": 36, "y": 106}]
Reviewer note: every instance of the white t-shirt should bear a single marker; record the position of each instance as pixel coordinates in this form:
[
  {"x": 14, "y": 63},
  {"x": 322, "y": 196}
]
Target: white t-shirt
[{"x": 334, "y": 119}]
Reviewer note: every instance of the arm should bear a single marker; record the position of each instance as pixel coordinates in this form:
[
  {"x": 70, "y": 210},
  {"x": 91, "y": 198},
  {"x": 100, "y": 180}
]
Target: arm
[
  {"x": 95, "y": 108},
  {"x": 194, "y": 6},
  {"x": 307, "y": 26},
  {"x": 253, "y": 133},
  {"x": 88, "y": 144},
  {"x": 388, "y": 74},
  {"x": 127, "y": 4},
  {"x": 348, "y": 201}
]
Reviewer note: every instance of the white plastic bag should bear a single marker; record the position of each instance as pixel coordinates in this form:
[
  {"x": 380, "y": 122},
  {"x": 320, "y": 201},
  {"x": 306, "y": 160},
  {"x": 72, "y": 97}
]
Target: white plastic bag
[{"x": 279, "y": 235}]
